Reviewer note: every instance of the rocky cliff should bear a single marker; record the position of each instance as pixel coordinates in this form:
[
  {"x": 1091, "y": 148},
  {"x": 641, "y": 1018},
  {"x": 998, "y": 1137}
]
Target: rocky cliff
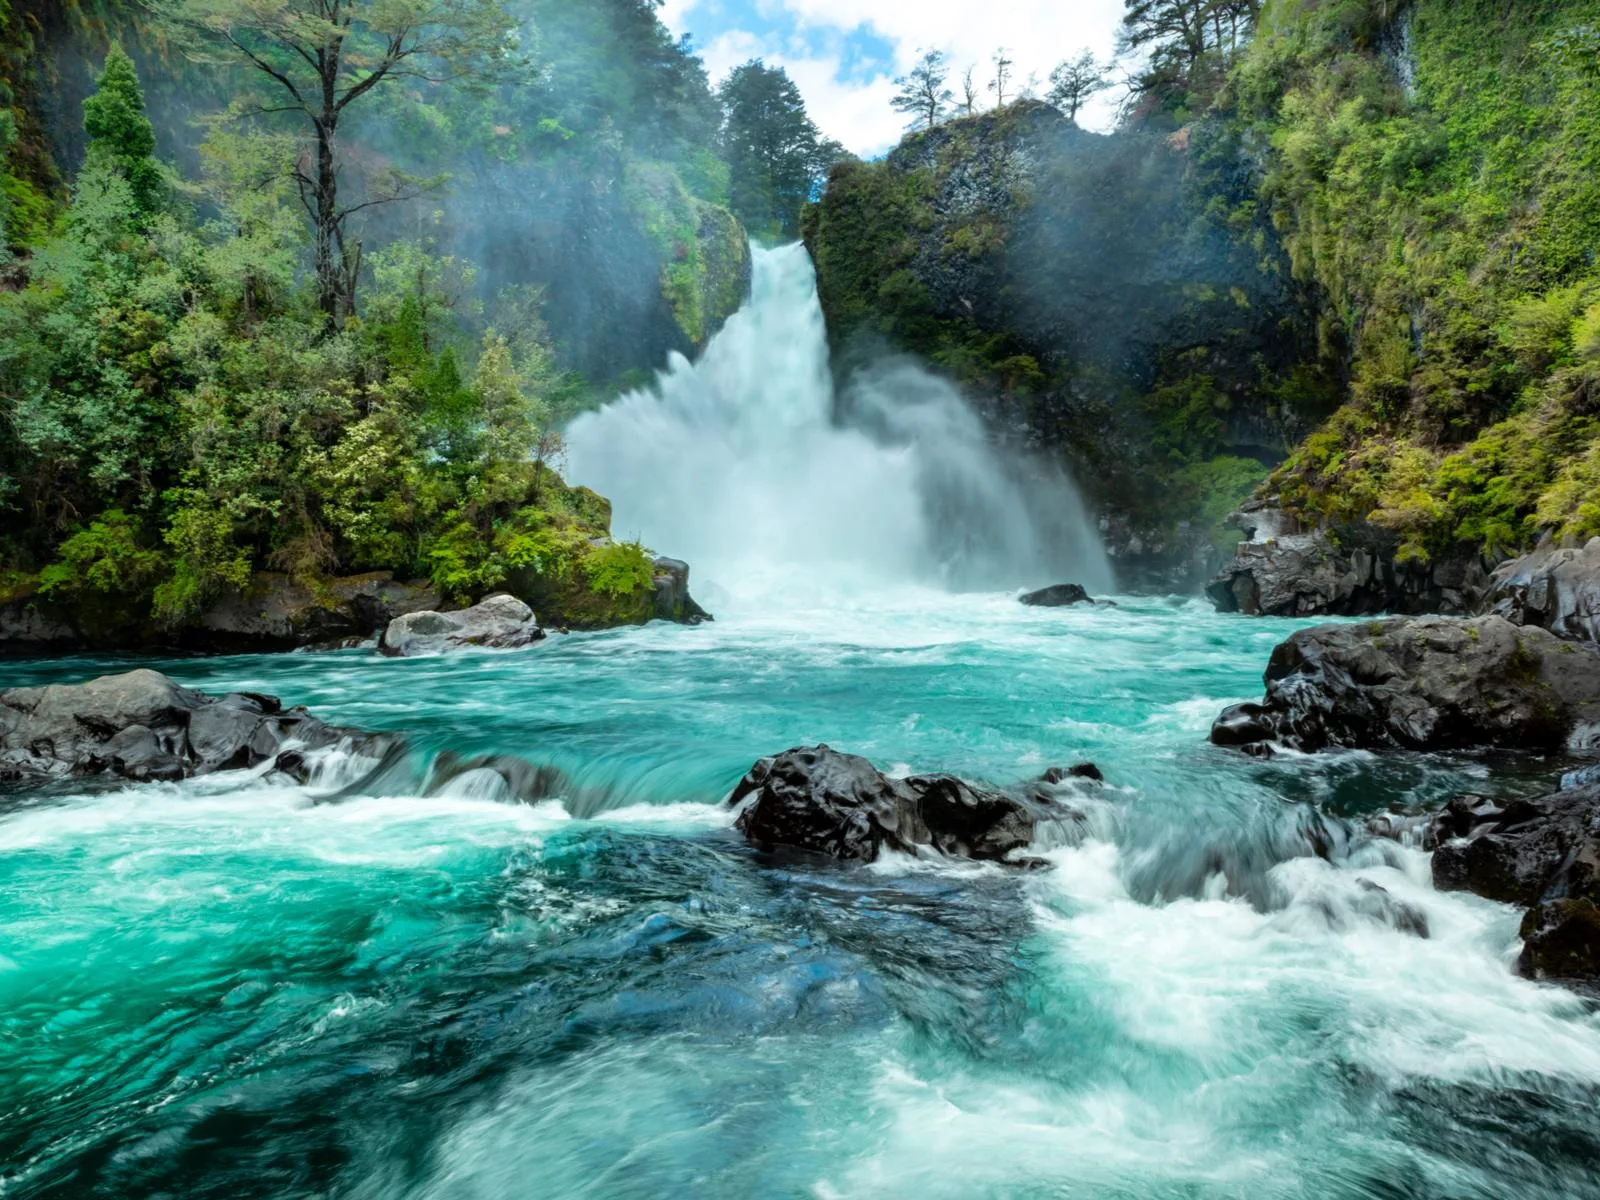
[{"x": 1084, "y": 290}]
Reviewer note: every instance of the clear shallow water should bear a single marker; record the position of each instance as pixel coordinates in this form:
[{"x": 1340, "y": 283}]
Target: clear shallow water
[{"x": 226, "y": 989}]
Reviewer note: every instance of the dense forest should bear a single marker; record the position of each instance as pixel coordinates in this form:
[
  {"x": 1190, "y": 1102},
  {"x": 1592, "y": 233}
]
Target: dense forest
[
  {"x": 308, "y": 289},
  {"x": 1359, "y": 235}
]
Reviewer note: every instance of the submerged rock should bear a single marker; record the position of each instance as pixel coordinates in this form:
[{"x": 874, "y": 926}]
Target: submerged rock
[
  {"x": 1554, "y": 588},
  {"x": 841, "y": 805},
  {"x": 1423, "y": 683},
  {"x": 1541, "y": 852},
  {"x": 500, "y": 622},
  {"x": 1062, "y": 595},
  {"x": 141, "y": 725}
]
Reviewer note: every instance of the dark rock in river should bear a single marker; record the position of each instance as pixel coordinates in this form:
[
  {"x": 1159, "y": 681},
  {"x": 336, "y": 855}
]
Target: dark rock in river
[
  {"x": 1062, "y": 595},
  {"x": 1542, "y": 852},
  {"x": 1554, "y": 588},
  {"x": 498, "y": 622},
  {"x": 841, "y": 805},
  {"x": 1283, "y": 569},
  {"x": 1423, "y": 683},
  {"x": 520, "y": 779},
  {"x": 673, "y": 602},
  {"x": 141, "y": 725}
]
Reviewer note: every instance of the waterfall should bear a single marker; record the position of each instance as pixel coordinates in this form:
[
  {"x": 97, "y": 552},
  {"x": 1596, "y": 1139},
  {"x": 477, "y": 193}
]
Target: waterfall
[{"x": 741, "y": 464}]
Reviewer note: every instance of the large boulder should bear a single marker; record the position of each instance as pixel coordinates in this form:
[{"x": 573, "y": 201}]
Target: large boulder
[
  {"x": 141, "y": 725},
  {"x": 1422, "y": 683},
  {"x": 1283, "y": 569},
  {"x": 499, "y": 622},
  {"x": 841, "y": 805},
  {"x": 1541, "y": 853},
  {"x": 273, "y": 611},
  {"x": 672, "y": 599},
  {"x": 1556, "y": 588},
  {"x": 276, "y": 611}
]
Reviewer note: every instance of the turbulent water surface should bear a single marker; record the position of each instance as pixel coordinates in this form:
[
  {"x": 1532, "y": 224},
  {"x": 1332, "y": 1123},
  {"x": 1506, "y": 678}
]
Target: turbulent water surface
[{"x": 383, "y": 988}]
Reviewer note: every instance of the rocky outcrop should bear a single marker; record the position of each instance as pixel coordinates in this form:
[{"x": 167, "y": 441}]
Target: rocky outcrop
[
  {"x": 1283, "y": 569},
  {"x": 273, "y": 612},
  {"x": 1424, "y": 683},
  {"x": 1556, "y": 588},
  {"x": 1061, "y": 595},
  {"x": 672, "y": 599},
  {"x": 498, "y": 622},
  {"x": 1062, "y": 268},
  {"x": 143, "y": 726},
  {"x": 279, "y": 612},
  {"x": 840, "y": 805},
  {"x": 1541, "y": 853}
]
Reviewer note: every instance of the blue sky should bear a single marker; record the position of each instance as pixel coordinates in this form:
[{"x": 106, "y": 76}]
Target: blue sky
[{"x": 844, "y": 54}]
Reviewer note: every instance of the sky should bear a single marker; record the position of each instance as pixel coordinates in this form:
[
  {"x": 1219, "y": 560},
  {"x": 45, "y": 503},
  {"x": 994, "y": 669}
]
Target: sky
[{"x": 845, "y": 54}]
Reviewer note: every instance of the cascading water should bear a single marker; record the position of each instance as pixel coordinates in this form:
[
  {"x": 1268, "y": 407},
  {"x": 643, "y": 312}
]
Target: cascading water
[{"x": 740, "y": 464}]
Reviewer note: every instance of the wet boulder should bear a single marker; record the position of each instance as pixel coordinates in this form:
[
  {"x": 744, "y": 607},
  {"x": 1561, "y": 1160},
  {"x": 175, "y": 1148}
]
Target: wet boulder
[
  {"x": 1540, "y": 852},
  {"x": 672, "y": 599},
  {"x": 1061, "y": 595},
  {"x": 1285, "y": 568},
  {"x": 1422, "y": 683},
  {"x": 140, "y": 725},
  {"x": 841, "y": 805},
  {"x": 1556, "y": 588},
  {"x": 500, "y": 622}
]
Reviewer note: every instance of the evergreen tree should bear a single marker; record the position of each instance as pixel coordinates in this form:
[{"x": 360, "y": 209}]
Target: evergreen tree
[
  {"x": 771, "y": 147},
  {"x": 120, "y": 134},
  {"x": 1072, "y": 83},
  {"x": 923, "y": 93},
  {"x": 1002, "y": 77}
]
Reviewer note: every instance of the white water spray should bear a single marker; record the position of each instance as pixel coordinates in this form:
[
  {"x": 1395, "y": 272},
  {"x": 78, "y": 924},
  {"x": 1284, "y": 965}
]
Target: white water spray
[{"x": 740, "y": 464}]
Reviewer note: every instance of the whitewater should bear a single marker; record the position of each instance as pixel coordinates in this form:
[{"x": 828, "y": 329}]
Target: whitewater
[{"x": 379, "y": 986}]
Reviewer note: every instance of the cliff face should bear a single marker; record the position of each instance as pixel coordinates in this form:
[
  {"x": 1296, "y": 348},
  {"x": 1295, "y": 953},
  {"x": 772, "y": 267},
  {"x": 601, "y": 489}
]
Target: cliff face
[
  {"x": 1373, "y": 261},
  {"x": 1436, "y": 173},
  {"x": 1094, "y": 302}
]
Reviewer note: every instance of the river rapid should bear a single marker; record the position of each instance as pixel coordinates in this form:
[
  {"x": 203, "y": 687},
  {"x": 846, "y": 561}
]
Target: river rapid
[{"x": 378, "y": 987}]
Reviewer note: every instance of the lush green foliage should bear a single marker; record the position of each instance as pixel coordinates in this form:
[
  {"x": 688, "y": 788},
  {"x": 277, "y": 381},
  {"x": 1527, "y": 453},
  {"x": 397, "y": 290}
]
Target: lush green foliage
[
  {"x": 176, "y": 414},
  {"x": 1050, "y": 295},
  {"x": 1449, "y": 209}
]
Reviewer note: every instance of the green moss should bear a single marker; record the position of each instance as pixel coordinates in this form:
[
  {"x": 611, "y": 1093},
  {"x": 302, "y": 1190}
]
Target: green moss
[
  {"x": 702, "y": 248},
  {"x": 1454, "y": 235}
]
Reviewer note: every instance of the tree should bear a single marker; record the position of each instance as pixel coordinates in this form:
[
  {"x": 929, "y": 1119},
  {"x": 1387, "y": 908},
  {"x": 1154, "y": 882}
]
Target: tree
[
  {"x": 1002, "y": 77},
  {"x": 1073, "y": 82},
  {"x": 120, "y": 134},
  {"x": 1187, "y": 44},
  {"x": 319, "y": 57},
  {"x": 969, "y": 93},
  {"x": 922, "y": 92},
  {"x": 771, "y": 147}
]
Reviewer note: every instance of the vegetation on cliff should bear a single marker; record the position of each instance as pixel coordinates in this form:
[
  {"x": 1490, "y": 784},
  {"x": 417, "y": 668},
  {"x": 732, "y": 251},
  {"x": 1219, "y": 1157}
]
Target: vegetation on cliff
[
  {"x": 1111, "y": 298},
  {"x": 1364, "y": 231},
  {"x": 1436, "y": 175},
  {"x": 196, "y": 385}
]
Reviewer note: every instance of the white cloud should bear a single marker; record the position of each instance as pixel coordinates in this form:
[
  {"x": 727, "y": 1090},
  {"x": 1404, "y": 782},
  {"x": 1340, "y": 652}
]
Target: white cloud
[{"x": 1036, "y": 34}]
